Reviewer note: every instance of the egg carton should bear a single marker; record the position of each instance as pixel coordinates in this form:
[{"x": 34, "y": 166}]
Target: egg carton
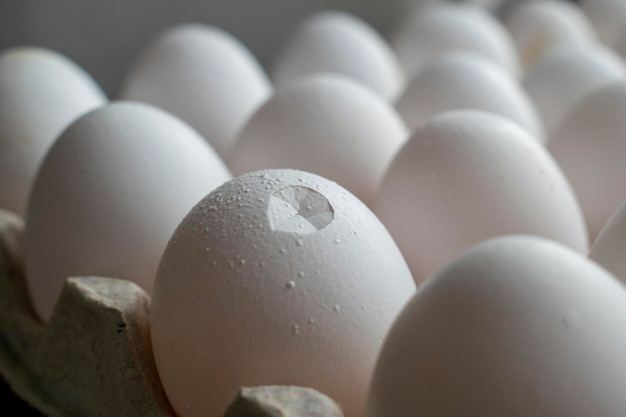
[{"x": 94, "y": 356}]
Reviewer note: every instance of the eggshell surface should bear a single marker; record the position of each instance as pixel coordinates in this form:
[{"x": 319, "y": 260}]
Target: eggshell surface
[
  {"x": 337, "y": 42},
  {"x": 564, "y": 77},
  {"x": 278, "y": 277},
  {"x": 516, "y": 326},
  {"x": 204, "y": 76},
  {"x": 463, "y": 81},
  {"x": 326, "y": 124},
  {"x": 41, "y": 92},
  {"x": 467, "y": 176},
  {"x": 109, "y": 195},
  {"x": 538, "y": 27},
  {"x": 590, "y": 148},
  {"x": 444, "y": 28}
]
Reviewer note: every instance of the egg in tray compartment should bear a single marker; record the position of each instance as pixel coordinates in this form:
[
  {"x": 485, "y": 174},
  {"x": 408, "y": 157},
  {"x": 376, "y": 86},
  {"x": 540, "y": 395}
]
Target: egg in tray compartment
[{"x": 94, "y": 357}]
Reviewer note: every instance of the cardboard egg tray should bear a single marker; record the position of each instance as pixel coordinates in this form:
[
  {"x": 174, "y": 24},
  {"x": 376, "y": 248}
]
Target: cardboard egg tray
[{"x": 94, "y": 357}]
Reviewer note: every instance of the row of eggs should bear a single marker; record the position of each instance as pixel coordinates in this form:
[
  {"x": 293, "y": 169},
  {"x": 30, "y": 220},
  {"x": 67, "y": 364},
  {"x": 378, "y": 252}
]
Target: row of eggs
[{"x": 294, "y": 279}]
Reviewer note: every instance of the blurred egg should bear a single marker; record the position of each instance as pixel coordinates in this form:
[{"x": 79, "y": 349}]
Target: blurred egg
[
  {"x": 590, "y": 147},
  {"x": 325, "y": 124},
  {"x": 608, "y": 18},
  {"x": 565, "y": 76},
  {"x": 204, "y": 76},
  {"x": 277, "y": 277},
  {"x": 426, "y": 36},
  {"x": 466, "y": 176},
  {"x": 41, "y": 92},
  {"x": 463, "y": 80},
  {"x": 540, "y": 26},
  {"x": 516, "y": 326},
  {"x": 609, "y": 247},
  {"x": 109, "y": 195},
  {"x": 337, "y": 42}
]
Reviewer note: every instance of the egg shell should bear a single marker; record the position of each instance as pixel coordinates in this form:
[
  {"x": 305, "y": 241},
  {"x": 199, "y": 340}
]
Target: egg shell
[
  {"x": 462, "y": 81},
  {"x": 337, "y": 42},
  {"x": 589, "y": 146},
  {"x": 41, "y": 92},
  {"x": 204, "y": 76},
  {"x": 326, "y": 124},
  {"x": 278, "y": 277},
  {"x": 608, "y": 18},
  {"x": 564, "y": 77},
  {"x": 109, "y": 195},
  {"x": 538, "y": 27},
  {"x": 609, "y": 247},
  {"x": 467, "y": 176},
  {"x": 426, "y": 36},
  {"x": 516, "y": 326}
]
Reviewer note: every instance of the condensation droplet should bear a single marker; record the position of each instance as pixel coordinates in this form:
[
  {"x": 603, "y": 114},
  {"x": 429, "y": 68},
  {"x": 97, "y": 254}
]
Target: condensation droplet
[
  {"x": 296, "y": 329},
  {"x": 337, "y": 308},
  {"x": 311, "y": 320},
  {"x": 299, "y": 242},
  {"x": 300, "y": 274},
  {"x": 291, "y": 284}
]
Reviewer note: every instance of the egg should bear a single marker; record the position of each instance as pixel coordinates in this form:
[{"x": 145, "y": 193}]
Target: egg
[
  {"x": 538, "y": 27},
  {"x": 41, "y": 91},
  {"x": 336, "y": 42},
  {"x": 325, "y": 124},
  {"x": 516, "y": 326},
  {"x": 562, "y": 78},
  {"x": 278, "y": 277},
  {"x": 461, "y": 80},
  {"x": 204, "y": 76},
  {"x": 466, "y": 176},
  {"x": 589, "y": 146},
  {"x": 109, "y": 195},
  {"x": 609, "y": 247},
  {"x": 608, "y": 18},
  {"x": 426, "y": 36}
]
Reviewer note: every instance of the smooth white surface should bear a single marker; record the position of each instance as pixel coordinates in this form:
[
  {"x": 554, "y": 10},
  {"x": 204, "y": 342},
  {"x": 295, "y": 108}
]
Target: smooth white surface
[
  {"x": 434, "y": 31},
  {"x": 558, "y": 81},
  {"x": 590, "y": 148},
  {"x": 538, "y": 27},
  {"x": 465, "y": 81},
  {"x": 204, "y": 76},
  {"x": 109, "y": 195},
  {"x": 467, "y": 176},
  {"x": 516, "y": 326},
  {"x": 277, "y": 277},
  {"x": 336, "y": 42},
  {"x": 326, "y": 124},
  {"x": 41, "y": 92}
]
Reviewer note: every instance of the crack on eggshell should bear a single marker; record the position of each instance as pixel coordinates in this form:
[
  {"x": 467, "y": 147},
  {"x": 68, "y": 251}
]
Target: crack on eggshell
[{"x": 300, "y": 210}]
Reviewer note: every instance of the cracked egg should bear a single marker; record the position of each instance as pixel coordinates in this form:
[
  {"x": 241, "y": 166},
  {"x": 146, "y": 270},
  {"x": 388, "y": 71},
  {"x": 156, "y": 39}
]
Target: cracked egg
[{"x": 277, "y": 277}]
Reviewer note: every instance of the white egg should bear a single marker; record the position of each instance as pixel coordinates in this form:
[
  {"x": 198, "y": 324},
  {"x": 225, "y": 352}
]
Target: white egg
[
  {"x": 337, "y": 42},
  {"x": 426, "y": 36},
  {"x": 204, "y": 76},
  {"x": 539, "y": 26},
  {"x": 328, "y": 125},
  {"x": 276, "y": 278},
  {"x": 466, "y": 176},
  {"x": 516, "y": 326},
  {"x": 462, "y": 80},
  {"x": 589, "y": 146},
  {"x": 41, "y": 92},
  {"x": 608, "y": 18},
  {"x": 558, "y": 81},
  {"x": 109, "y": 195}
]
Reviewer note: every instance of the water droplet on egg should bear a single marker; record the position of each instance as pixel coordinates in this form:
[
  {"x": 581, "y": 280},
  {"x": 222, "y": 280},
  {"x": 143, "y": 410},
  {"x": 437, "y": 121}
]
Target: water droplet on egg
[{"x": 291, "y": 285}]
